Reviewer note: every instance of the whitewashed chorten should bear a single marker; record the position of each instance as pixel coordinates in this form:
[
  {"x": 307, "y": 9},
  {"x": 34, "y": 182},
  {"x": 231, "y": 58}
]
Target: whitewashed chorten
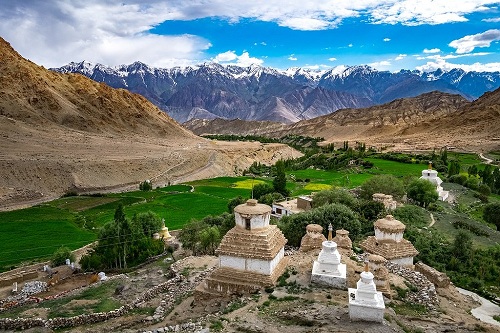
[
  {"x": 328, "y": 269},
  {"x": 431, "y": 175},
  {"x": 251, "y": 254},
  {"x": 365, "y": 302}
]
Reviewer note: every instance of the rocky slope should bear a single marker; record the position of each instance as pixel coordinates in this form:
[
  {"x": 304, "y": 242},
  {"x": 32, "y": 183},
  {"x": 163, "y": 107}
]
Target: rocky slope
[
  {"x": 65, "y": 132},
  {"x": 427, "y": 121},
  {"x": 211, "y": 91}
]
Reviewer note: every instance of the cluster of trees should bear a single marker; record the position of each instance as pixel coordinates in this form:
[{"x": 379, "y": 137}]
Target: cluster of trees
[
  {"x": 299, "y": 142},
  {"x": 146, "y": 185},
  {"x": 123, "y": 243},
  {"x": 485, "y": 181},
  {"x": 338, "y": 207},
  {"x": 204, "y": 236}
]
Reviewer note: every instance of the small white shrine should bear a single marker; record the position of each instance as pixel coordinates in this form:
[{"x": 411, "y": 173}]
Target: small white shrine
[
  {"x": 431, "y": 175},
  {"x": 251, "y": 254},
  {"x": 328, "y": 269},
  {"x": 365, "y": 302}
]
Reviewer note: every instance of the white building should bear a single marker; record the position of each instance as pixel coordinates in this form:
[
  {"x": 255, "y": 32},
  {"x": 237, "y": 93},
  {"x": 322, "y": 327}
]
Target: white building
[
  {"x": 292, "y": 206},
  {"x": 431, "y": 175}
]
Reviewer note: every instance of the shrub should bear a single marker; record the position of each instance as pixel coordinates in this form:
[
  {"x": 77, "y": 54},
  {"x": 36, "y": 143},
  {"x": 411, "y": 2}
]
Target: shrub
[
  {"x": 491, "y": 214},
  {"x": 423, "y": 192},
  {"x": 59, "y": 257},
  {"x": 387, "y": 184}
]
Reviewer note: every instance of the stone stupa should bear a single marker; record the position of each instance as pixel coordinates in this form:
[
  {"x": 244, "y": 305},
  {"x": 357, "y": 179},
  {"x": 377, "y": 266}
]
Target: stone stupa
[
  {"x": 313, "y": 238},
  {"x": 327, "y": 269},
  {"x": 365, "y": 302},
  {"x": 389, "y": 243},
  {"x": 251, "y": 254}
]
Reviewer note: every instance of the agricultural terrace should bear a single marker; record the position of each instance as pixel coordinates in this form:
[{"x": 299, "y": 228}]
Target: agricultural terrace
[{"x": 33, "y": 234}]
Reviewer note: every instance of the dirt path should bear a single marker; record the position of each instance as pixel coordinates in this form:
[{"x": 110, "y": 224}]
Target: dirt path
[
  {"x": 432, "y": 220},
  {"x": 486, "y": 311},
  {"x": 485, "y": 159}
]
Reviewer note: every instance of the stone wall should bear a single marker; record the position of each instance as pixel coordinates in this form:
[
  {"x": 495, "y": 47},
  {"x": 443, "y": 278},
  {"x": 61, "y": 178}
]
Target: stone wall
[
  {"x": 440, "y": 280},
  {"x": 85, "y": 319}
]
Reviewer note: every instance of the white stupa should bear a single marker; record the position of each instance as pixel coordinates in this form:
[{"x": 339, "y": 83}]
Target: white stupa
[
  {"x": 431, "y": 175},
  {"x": 365, "y": 302},
  {"x": 328, "y": 269}
]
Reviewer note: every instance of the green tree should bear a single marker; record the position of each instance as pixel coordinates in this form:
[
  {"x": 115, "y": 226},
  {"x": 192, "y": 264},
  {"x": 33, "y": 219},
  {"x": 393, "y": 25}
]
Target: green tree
[
  {"x": 454, "y": 168},
  {"x": 472, "y": 170},
  {"x": 334, "y": 195},
  {"x": 262, "y": 189},
  {"x": 269, "y": 198},
  {"x": 279, "y": 181},
  {"x": 235, "y": 202},
  {"x": 148, "y": 222},
  {"x": 491, "y": 214},
  {"x": 209, "y": 239},
  {"x": 340, "y": 216},
  {"x": 422, "y": 192},
  {"x": 146, "y": 185},
  {"x": 387, "y": 184},
  {"x": 59, "y": 257},
  {"x": 412, "y": 215}
]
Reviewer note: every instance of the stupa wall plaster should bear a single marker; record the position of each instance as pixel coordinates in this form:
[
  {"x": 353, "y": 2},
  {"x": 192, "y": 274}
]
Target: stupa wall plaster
[
  {"x": 251, "y": 264},
  {"x": 385, "y": 236}
]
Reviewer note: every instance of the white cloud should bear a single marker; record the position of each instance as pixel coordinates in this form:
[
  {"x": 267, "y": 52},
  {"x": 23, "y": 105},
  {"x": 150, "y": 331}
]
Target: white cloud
[
  {"x": 443, "y": 64},
  {"x": 380, "y": 65},
  {"x": 231, "y": 58},
  {"x": 226, "y": 56},
  {"x": 411, "y": 12},
  {"x": 292, "y": 57},
  {"x": 386, "y": 39},
  {"x": 435, "y": 50},
  {"x": 401, "y": 57},
  {"x": 492, "y": 20},
  {"x": 469, "y": 43},
  {"x": 350, "y": 45},
  {"x": 53, "y": 33},
  {"x": 454, "y": 56},
  {"x": 332, "y": 59}
]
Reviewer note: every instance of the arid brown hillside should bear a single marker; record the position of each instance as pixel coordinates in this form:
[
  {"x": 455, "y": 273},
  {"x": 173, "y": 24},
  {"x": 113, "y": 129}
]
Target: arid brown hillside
[
  {"x": 65, "y": 132},
  {"x": 232, "y": 126},
  {"x": 428, "y": 121}
]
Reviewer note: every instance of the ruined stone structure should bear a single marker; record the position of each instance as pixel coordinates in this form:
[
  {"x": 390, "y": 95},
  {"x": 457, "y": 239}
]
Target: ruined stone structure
[
  {"x": 365, "y": 302},
  {"x": 431, "y": 175},
  {"x": 343, "y": 241},
  {"x": 389, "y": 243},
  {"x": 439, "y": 279},
  {"x": 251, "y": 254},
  {"x": 313, "y": 238},
  {"x": 380, "y": 274},
  {"x": 386, "y": 199},
  {"x": 327, "y": 269}
]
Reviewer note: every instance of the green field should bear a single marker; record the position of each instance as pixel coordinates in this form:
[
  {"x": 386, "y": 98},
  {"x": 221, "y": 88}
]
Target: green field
[{"x": 35, "y": 233}]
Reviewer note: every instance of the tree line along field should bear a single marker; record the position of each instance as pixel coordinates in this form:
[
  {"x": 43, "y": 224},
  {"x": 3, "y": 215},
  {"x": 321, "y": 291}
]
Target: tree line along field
[{"x": 33, "y": 234}]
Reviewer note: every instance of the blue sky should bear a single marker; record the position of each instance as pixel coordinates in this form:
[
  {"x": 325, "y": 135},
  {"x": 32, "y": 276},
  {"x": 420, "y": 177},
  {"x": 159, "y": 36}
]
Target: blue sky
[{"x": 388, "y": 34}]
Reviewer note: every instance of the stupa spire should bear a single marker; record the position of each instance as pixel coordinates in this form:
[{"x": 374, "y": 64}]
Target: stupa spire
[{"x": 330, "y": 230}]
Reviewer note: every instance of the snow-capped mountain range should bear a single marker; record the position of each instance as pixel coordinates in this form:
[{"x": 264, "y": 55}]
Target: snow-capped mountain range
[{"x": 211, "y": 90}]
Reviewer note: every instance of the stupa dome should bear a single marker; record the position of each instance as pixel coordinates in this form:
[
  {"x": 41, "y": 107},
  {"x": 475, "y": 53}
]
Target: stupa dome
[
  {"x": 389, "y": 225},
  {"x": 252, "y": 207}
]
